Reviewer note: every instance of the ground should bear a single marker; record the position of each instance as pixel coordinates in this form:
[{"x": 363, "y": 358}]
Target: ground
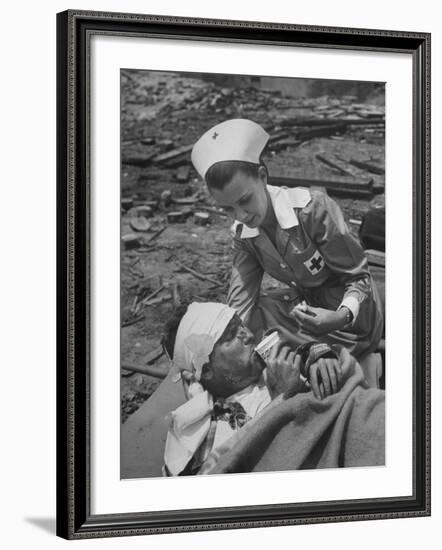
[{"x": 162, "y": 112}]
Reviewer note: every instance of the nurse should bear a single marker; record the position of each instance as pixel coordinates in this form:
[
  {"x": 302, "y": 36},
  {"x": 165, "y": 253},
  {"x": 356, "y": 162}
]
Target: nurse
[{"x": 299, "y": 237}]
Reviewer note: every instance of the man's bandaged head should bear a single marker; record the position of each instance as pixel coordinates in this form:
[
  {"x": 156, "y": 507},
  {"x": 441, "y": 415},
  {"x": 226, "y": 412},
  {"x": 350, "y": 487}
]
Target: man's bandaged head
[{"x": 200, "y": 328}]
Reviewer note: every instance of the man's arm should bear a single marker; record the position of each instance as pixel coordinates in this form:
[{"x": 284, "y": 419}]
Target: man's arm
[{"x": 325, "y": 369}]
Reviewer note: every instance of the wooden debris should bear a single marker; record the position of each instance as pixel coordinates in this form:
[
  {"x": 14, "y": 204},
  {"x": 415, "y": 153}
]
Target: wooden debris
[
  {"x": 199, "y": 275},
  {"x": 370, "y": 113},
  {"x": 139, "y": 159},
  {"x": 187, "y": 200},
  {"x": 350, "y": 121},
  {"x": 277, "y": 136},
  {"x": 147, "y": 141},
  {"x": 144, "y": 211},
  {"x": 152, "y": 295},
  {"x": 201, "y": 218},
  {"x": 152, "y": 204},
  {"x": 149, "y": 360},
  {"x": 183, "y": 173},
  {"x": 321, "y": 131},
  {"x": 355, "y": 222},
  {"x": 166, "y": 197},
  {"x": 156, "y": 234},
  {"x": 140, "y": 223},
  {"x": 134, "y": 304},
  {"x": 284, "y": 144},
  {"x": 157, "y": 372},
  {"x": 166, "y": 144},
  {"x": 333, "y": 163},
  {"x": 132, "y": 320},
  {"x": 127, "y": 203},
  {"x": 352, "y": 189},
  {"x": 146, "y": 249},
  {"x": 130, "y": 241},
  {"x": 176, "y": 296},
  {"x": 375, "y": 257},
  {"x": 157, "y": 301},
  {"x": 373, "y": 168},
  {"x": 175, "y": 157},
  {"x": 179, "y": 216},
  {"x": 378, "y": 188}
]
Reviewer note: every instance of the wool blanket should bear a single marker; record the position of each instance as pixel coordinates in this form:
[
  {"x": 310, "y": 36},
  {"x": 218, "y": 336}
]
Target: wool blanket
[{"x": 343, "y": 430}]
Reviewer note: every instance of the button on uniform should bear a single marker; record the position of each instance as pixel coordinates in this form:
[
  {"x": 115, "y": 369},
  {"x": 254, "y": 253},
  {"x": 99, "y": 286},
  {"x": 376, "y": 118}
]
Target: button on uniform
[{"x": 283, "y": 265}]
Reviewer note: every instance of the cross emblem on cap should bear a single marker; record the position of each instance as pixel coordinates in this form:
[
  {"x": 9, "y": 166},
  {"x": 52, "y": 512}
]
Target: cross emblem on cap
[{"x": 215, "y": 135}]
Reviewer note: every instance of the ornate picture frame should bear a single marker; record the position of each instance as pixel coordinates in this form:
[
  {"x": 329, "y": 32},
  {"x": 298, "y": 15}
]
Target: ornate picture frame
[{"x": 75, "y": 217}]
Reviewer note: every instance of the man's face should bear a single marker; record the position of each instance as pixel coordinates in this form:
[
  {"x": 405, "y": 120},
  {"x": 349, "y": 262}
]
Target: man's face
[
  {"x": 233, "y": 363},
  {"x": 244, "y": 198}
]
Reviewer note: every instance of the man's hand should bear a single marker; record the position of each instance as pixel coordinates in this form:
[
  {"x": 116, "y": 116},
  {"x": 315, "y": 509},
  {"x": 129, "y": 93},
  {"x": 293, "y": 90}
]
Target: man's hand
[
  {"x": 319, "y": 321},
  {"x": 283, "y": 372},
  {"x": 327, "y": 375}
]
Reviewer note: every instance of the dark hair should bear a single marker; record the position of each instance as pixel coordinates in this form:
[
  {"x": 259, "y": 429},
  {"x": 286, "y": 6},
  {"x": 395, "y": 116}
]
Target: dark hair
[{"x": 221, "y": 173}]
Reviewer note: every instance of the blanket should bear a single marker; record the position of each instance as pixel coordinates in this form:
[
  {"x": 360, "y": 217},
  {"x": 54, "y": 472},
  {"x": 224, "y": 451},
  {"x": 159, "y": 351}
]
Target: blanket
[{"x": 345, "y": 429}]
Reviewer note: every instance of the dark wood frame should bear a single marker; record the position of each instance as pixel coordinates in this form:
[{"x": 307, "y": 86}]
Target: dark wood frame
[{"x": 74, "y": 519}]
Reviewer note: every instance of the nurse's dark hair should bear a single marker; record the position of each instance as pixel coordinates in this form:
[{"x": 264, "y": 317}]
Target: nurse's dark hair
[
  {"x": 170, "y": 329},
  {"x": 221, "y": 173}
]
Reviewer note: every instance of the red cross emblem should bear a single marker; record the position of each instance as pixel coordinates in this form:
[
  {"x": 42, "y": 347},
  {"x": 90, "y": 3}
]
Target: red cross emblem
[{"x": 315, "y": 264}]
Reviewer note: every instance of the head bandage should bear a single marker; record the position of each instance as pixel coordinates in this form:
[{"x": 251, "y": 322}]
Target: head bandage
[
  {"x": 237, "y": 139},
  {"x": 201, "y": 327}
]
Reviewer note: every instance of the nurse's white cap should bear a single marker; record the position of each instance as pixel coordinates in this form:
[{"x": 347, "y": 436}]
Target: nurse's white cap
[{"x": 236, "y": 139}]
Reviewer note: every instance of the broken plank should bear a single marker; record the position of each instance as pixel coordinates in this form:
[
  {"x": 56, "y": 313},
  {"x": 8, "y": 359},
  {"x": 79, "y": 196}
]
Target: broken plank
[
  {"x": 138, "y": 160},
  {"x": 156, "y": 234},
  {"x": 171, "y": 156},
  {"x": 277, "y": 136},
  {"x": 187, "y": 200},
  {"x": 132, "y": 320},
  {"x": 373, "y": 168},
  {"x": 321, "y": 131},
  {"x": 157, "y": 372},
  {"x": 149, "y": 359},
  {"x": 331, "y": 121},
  {"x": 333, "y": 163},
  {"x": 199, "y": 275},
  {"x": 353, "y": 189}
]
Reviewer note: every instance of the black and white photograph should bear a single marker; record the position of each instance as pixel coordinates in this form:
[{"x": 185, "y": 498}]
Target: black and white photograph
[{"x": 252, "y": 276}]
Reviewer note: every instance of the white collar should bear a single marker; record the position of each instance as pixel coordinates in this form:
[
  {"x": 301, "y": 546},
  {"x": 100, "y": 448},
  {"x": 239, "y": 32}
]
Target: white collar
[{"x": 284, "y": 200}]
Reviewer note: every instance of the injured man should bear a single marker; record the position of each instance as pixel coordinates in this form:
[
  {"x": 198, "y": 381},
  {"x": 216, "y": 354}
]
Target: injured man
[{"x": 278, "y": 409}]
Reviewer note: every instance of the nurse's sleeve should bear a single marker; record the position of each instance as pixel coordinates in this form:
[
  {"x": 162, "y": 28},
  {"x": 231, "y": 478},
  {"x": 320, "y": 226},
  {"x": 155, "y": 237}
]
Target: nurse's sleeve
[
  {"x": 344, "y": 255},
  {"x": 245, "y": 282}
]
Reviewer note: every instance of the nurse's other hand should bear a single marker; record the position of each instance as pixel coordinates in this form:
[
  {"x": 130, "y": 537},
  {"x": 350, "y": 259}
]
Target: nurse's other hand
[{"x": 319, "y": 321}]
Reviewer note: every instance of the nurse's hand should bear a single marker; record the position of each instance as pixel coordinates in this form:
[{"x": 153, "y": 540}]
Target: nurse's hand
[{"x": 319, "y": 321}]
